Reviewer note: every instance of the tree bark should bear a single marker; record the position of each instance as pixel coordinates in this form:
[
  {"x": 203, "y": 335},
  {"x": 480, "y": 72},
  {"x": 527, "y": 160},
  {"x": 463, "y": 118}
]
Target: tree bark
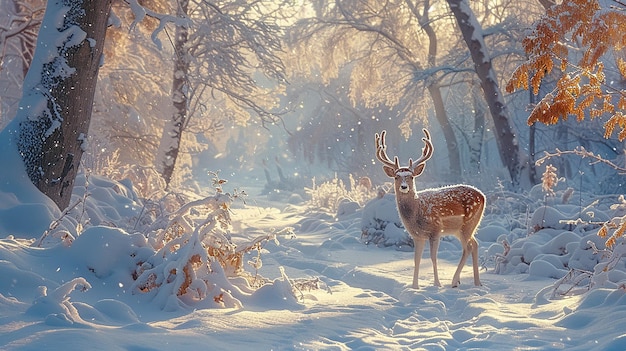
[
  {"x": 505, "y": 138},
  {"x": 169, "y": 148},
  {"x": 55, "y": 110},
  {"x": 532, "y": 129},
  {"x": 476, "y": 140},
  {"x": 173, "y": 130}
]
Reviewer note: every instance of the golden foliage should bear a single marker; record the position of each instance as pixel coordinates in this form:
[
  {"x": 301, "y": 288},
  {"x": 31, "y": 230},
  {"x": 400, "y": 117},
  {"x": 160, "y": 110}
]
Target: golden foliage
[
  {"x": 581, "y": 89},
  {"x": 619, "y": 232},
  {"x": 549, "y": 180},
  {"x": 188, "y": 270},
  {"x": 619, "y": 225}
]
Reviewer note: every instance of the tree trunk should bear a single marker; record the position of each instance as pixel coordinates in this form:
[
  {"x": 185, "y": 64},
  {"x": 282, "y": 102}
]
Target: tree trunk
[
  {"x": 476, "y": 140},
  {"x": 532, "y": 169},
  {"x": 505, "y": 138},
  {"x": 448, "y": 133},
  {"x": 55, "y": 109},
  {"x": 435, "y": 91},
  {"x": 173, "y": 130}
]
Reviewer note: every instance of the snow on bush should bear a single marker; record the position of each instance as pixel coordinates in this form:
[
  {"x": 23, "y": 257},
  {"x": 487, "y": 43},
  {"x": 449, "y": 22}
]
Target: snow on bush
[
  {"x": 381, "y": 224},
  {"x": 194, "y": 256},
  {"x": 175, "y": 252},
  {"x": 332, "y": 196},
  {"x": 579, "y": 245}
]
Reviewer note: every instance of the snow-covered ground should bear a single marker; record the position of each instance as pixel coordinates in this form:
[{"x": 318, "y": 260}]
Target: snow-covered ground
[{"x": 75, "y": 292}]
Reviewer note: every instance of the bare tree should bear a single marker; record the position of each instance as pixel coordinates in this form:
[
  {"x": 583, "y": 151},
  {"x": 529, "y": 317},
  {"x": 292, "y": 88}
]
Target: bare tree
[
  {"x": 392, "y": 48},
  {"x": 50, "y": 129},
  {"x": 174, "y": 127},
  {"x": 510, "y": 153},
  {"x": 133, "y": 96},
  {"x": 223, "y": 57},
  {"x": 18, "y": 34}
]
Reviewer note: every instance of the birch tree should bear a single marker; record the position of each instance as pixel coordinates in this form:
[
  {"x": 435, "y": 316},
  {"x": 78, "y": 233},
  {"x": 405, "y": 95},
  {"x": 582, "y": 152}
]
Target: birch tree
[
  {"x": 174, "y": 127},
  {"x": 230, "y": 56}
]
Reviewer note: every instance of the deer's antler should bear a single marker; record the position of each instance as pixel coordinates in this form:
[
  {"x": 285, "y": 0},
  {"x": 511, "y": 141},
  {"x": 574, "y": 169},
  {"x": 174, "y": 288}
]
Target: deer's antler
[
  {"x": 427, "y": 151},
  {"x": 381, "y": 152}
]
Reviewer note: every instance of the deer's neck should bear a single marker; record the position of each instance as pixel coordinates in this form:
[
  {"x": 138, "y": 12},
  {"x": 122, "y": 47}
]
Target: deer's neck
[{"x": 409, "y": 204}]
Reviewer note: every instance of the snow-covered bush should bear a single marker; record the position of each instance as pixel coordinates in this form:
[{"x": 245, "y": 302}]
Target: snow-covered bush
[
  {"x": 194, "y": 256},
  {"x": 179, "y": 252},
  {"x": 329, "y": 195},
  {"x": 580, "y": 246},
  {"x": 381, "y": 224},
  {"x": 55, "y": 306}
]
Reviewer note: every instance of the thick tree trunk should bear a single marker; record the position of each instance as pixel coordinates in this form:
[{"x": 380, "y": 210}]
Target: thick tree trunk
[
  {"x": 173, "y": 130},
  {"x": 55, "y": 110},
  {"x": 505, "y": 138}
]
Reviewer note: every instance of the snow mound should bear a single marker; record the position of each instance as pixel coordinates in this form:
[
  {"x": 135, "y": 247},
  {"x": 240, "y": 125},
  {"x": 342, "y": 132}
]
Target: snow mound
[{"x": 381, "y": 224}]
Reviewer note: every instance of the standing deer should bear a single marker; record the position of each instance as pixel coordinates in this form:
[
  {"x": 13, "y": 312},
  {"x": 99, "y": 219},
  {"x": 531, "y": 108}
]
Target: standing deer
[{"x": 428, "y": 214}]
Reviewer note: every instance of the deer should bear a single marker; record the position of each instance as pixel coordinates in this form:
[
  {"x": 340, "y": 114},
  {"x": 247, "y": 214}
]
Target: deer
[{"x": 428, "y": 214}]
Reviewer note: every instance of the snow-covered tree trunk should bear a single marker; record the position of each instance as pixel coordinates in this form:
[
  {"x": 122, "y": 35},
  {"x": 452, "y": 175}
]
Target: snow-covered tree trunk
[
  {"x": 171, "y": 138},
  {"x": 505, "y": 138},
  {"x": 55, "y": 109}
]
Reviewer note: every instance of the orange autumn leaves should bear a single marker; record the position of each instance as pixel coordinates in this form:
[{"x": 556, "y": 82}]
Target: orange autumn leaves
[{"x": 576, "y": 30}]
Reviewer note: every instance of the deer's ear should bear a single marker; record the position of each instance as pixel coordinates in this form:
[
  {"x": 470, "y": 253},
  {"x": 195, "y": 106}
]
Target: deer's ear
[
  {"x": 419, "y": 169},
  {"x": 389, "y": 171}
]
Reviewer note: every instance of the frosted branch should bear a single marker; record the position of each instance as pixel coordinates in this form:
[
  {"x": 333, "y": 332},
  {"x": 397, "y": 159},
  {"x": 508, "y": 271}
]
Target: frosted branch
[
  {"x": 140, "y": 12},
  {"x": 582, "y": 152}
]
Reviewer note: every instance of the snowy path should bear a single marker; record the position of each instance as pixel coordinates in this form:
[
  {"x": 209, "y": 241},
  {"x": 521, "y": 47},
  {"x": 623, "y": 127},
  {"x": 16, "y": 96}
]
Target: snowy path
[
  {"x": 373, "y": 307},
  {"x": 369, "y": 307}
]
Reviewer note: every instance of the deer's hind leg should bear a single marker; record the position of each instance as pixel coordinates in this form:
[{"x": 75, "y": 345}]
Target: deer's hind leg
[
  {"x": 470, "y": 247},
  {"x": 456, "y": 280},
  {"x": 474, "y": 247}
]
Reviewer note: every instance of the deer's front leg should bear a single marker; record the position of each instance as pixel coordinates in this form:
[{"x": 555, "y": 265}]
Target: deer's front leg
[
  {"x": 434, "y": 248},
  {"x": 419, "y": 248}
]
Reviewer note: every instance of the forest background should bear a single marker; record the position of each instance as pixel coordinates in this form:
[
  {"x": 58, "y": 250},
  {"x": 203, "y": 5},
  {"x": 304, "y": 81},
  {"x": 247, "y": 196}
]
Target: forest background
[
  {"x": 191, "y": 87},
  {"x": 283, "y": 98}
]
